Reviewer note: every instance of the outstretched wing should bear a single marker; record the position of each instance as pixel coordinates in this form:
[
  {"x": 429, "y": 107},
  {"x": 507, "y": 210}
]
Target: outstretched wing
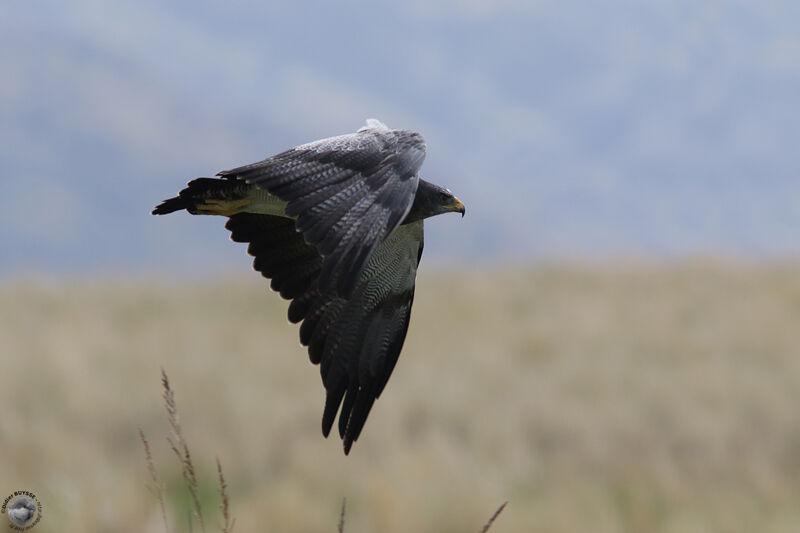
[
  {"x": 356, "y": 340},
  {"x": 280, "y": 252},
  {"x": 347, "y": 194}
]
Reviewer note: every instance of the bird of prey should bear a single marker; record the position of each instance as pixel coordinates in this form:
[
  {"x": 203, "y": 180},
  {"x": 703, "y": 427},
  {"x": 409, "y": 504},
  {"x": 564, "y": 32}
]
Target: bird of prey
[{"x": 337, "y": 225}]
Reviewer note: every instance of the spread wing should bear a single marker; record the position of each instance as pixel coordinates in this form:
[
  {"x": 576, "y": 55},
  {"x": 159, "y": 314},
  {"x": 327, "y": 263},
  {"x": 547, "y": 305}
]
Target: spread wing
[
  {"x": 347, "y": 194},
  {"x": 356, "y": 340},
  {"x": 280, "y": 252}
]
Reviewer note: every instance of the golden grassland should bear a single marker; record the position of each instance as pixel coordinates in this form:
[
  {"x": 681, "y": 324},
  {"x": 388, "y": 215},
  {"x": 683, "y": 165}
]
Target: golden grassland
[{"x": 618, "y": 397}]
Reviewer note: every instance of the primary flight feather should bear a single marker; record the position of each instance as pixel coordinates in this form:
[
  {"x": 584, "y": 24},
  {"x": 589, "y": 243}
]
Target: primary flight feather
[{"x": 337, "y": 225}]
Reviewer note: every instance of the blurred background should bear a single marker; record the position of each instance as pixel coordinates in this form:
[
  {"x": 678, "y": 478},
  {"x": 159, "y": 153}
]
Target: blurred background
[{"x": 607, "y": 339}]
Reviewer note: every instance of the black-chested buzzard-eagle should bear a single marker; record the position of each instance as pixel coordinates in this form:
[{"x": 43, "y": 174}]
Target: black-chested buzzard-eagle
[{"x": 337, "y": 225}]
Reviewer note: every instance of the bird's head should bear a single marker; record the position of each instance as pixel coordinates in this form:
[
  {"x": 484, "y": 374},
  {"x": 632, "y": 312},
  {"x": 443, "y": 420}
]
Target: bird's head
[{"x": 432, "y": 200}]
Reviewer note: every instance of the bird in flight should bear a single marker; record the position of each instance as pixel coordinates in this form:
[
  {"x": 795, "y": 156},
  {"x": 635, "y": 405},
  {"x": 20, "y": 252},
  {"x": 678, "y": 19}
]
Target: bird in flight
[{"x": 337, "y": 225}]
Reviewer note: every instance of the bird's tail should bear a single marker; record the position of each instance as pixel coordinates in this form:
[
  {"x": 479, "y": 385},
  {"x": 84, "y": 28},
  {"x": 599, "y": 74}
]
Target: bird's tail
[{"x": 207, "y": 196}]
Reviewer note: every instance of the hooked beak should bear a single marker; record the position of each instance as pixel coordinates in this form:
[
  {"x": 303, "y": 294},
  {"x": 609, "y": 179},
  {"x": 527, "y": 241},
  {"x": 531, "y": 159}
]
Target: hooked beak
[{"x": 457, "y": 206}]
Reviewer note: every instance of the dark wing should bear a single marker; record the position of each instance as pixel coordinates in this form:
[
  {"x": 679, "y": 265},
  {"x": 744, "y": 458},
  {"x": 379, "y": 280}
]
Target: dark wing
[
  {"x": 359, "y": 340},
  {"x": 347, "y": 194},
  {"x": 280, "y": 252},
  {"x": 356, "y": 340}
]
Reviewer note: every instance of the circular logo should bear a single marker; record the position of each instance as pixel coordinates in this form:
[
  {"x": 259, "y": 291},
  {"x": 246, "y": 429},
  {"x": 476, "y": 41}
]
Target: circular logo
[{"x": 23, "y": 508}]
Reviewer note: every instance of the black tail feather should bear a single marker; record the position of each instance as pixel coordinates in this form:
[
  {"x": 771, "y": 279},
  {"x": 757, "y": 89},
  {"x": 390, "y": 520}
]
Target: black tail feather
[
  {"x": 197, "y": 191},
  {"x": 171, "y": 205}
]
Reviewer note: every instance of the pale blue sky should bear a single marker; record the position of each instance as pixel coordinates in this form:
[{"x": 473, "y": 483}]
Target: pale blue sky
[{"x": 577, "y": 129}]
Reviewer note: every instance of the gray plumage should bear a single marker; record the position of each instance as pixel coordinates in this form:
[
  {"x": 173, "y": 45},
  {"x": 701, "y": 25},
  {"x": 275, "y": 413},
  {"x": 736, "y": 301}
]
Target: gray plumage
[{"x": 337, "y": 225}]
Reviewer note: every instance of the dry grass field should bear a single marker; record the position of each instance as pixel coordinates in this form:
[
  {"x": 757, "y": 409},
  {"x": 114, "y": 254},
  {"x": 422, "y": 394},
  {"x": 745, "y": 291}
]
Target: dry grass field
[{"x": 606, "y": 398}]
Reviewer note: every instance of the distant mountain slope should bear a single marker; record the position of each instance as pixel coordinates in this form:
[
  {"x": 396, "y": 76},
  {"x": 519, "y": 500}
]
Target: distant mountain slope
[{"x": 566, "y": 129}]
